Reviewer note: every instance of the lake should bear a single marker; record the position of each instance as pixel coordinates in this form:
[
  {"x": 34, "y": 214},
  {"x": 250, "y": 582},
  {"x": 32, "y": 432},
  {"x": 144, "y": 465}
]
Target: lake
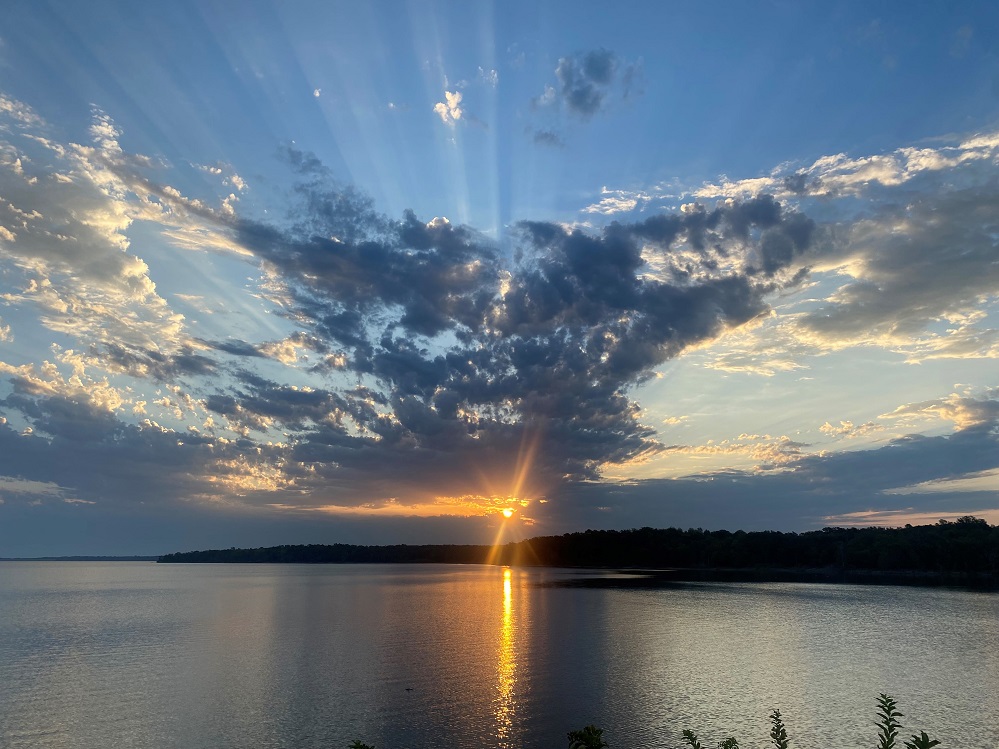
[{"x": 115, "y": 655}]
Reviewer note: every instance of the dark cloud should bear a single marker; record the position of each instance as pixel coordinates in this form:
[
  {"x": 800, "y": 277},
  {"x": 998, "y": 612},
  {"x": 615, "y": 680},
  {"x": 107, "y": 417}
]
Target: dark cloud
[
  {"x": 344, "y": 260},
  {"x": 912, "y": 265},
  {"x": 586, "y": 81},
  {"x": 444, "y": 354},
  {"x": 439, "y": 351},
  {"x": 583, "y": 80},
  {"x": 146, "y": 362},
  {"x": 796, "y": 183},
  {"x": 802, "y": 495},
  {"x": 140, "y": 507},
  {"x": 103, "y": 459},
  {"x": 548, "y": 138},
  {"x": 470, "y": 358},
  {"x": 235, "y": 347}
]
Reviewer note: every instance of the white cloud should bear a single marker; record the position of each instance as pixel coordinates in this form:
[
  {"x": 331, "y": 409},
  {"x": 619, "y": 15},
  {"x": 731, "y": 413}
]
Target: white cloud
[
  {"x": 767, "y": 452},
  {"x": 449, "y": 110},
  {"x": 764, "y": 349},
  {"x": 898, "y": 518},
  {"x": 849, "y": 430},
  {"x": 71, "y": 248},
  {"x": 548, "y": 97},
  {"x": 840, "y": 174},
  {"x": 287, "y": 350},
  {"x": 49, "y": 379},
  {"x": 744, "y": 188},
  {"x": 66, "y": 239},
  {"x": 617, "y": 201},
  {"x": 961, "y": 410},
  {"x": 21, "y": 113}
]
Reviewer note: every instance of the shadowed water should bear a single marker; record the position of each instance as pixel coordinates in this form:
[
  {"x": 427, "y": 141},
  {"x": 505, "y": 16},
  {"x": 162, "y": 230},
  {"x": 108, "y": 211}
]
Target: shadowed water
[{"x": 187, "y": 656}]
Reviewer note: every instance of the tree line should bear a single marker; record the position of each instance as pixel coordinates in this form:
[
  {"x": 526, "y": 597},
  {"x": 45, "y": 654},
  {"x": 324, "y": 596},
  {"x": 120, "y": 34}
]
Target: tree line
[{"x": 968, "y": 545}]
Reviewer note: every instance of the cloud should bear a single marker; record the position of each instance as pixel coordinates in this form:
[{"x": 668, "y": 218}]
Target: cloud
[
  {"x": 839, "y": 175},
  {"x": 849, "y": 430},
  {"x": 72, "y": 440},
  {"x": 767, "y": 451},
  {"x": 584, "y": 80},
  {"x": 66, "y": 212},
  {"x": 964, "y": 162},
  {"x": 449, "y": 110},
  {"x": 811, "y": 492},
  {"x": 418, "y": 366},
  {"x": 549, "y": 96},
  {"x": 909, "y": 268},
  {"x": 472, "y": 358},
  {"x": 963, "y": 411},
  {"x": 458, "y": 357},
  {"x": 617, "y": 201},
  {"x": 547, "y": 138},
  {"x": 21, "y": 114}
]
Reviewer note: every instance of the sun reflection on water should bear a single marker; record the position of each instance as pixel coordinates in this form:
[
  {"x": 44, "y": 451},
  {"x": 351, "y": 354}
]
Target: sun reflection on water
[{"x": 506, "y": 668}]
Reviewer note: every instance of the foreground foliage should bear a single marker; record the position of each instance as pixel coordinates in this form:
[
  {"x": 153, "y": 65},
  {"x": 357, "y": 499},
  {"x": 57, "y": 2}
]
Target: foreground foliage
[
  {"x": 887, "y": 724},
  {"x": 591, "y": 737}
]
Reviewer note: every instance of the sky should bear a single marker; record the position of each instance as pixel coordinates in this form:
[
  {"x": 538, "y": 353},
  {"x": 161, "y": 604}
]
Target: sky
[{"x": 318, "y": 272}]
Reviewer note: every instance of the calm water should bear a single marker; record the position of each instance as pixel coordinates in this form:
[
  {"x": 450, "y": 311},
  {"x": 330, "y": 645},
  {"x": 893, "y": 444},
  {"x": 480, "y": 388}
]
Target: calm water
[{"x": 115, "y": 655}]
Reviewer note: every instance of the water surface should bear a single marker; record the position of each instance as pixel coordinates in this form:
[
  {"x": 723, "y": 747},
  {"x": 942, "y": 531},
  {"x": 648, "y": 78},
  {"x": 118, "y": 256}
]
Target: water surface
[{"x": 187, "y": 656}]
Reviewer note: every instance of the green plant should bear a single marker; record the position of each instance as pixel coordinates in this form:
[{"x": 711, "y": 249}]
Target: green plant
[
  {"x": 691, "y": 738},
  {"x": 589, "y": 737},
  {"x": 922, "y": 741},
  {"x": 356, "y": 744},
  {"x": 777, "y": 732},
  {"x": 888, "y": 723}
]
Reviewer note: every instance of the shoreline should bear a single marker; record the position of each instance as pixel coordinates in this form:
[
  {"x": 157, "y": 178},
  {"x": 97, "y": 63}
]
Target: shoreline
[{"x": 662, "y": 578}]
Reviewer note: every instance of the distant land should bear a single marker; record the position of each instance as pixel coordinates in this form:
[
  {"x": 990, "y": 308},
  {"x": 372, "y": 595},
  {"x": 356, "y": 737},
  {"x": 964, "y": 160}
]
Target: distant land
[
  {"x": 966, "y": 551},
  {"x": 82, "y": 559}
]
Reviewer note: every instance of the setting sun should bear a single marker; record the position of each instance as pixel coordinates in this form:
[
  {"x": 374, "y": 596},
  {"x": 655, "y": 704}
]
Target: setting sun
[{"x": 508, "y": 512}]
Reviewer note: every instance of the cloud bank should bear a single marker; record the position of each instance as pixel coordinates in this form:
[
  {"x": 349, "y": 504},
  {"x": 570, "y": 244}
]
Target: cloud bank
[{"x": 421, "y": 368}]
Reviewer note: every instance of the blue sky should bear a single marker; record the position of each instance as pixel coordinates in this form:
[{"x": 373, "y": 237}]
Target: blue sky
[{"x": 375, "y": 272}]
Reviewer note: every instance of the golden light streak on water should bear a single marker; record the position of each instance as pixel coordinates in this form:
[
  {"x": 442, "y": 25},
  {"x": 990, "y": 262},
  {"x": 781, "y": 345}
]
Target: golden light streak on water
[{"x": 506, "y": 668}]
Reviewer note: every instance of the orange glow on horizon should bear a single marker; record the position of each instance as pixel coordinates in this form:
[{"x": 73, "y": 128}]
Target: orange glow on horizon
[
  {"x": 467, "y": 506},
  {"x": 496, "y": 496}
]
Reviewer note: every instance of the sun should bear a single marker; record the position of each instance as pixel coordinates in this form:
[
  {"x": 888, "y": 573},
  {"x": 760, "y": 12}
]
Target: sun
[{"x": 508, "y": 512}]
